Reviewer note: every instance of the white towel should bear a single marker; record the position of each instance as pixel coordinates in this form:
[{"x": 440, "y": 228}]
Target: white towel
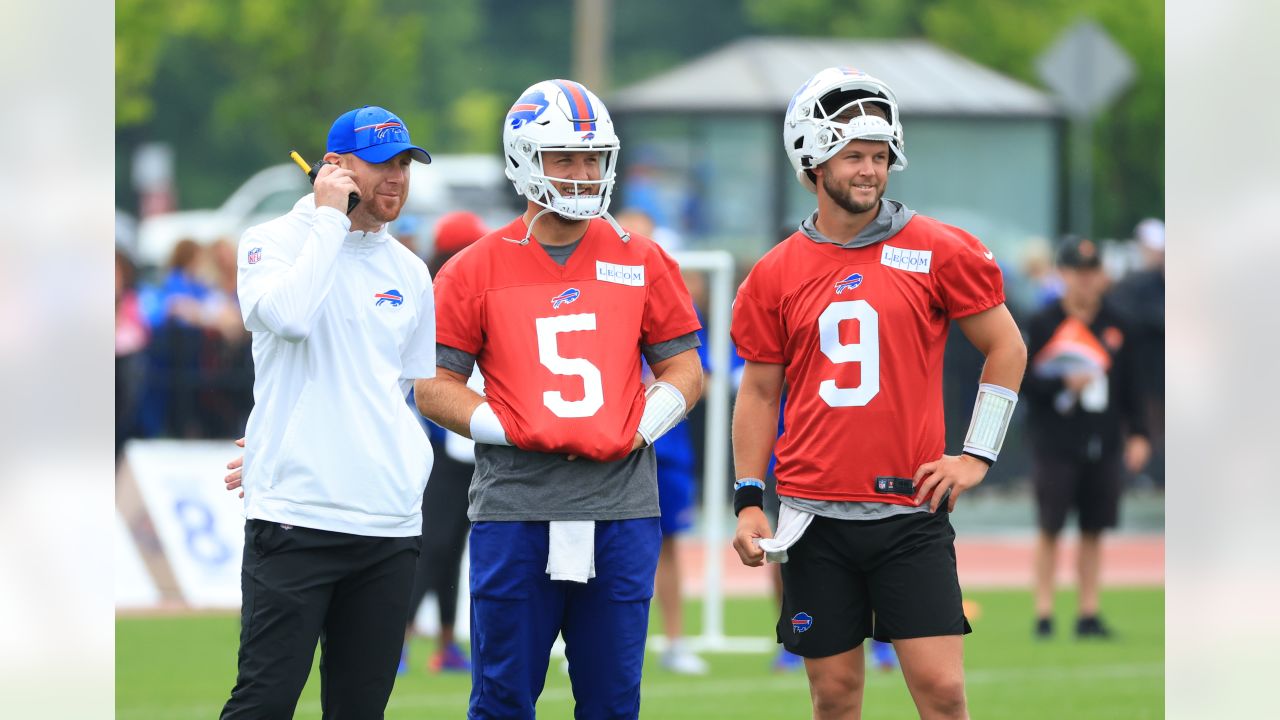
[
  {"x": 791, "y": 525},
  {"x": 571, "y": 550}
]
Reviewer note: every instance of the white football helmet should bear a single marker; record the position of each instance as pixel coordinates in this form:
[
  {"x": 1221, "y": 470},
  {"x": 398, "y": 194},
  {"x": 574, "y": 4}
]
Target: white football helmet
[
  {"x": 560, "y": 115},
  {"x": 813, "y": 131}
]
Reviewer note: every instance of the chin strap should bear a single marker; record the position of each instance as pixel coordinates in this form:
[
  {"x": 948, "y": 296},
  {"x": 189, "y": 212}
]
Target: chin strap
[
  {"x": 528, "y": 233},
  {"x": 626, "y": 236},
  {"x": 623, "y": 234}
]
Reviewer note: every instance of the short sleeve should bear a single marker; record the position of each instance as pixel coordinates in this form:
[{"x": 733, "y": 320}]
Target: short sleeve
[
  {"x": 418, "y": 359},
  {"x": 756, "y": 327},
  {"x": 969, "y": 281},
  {"x": 458, "y": 308},
  {"x": 668, "y": 308}
]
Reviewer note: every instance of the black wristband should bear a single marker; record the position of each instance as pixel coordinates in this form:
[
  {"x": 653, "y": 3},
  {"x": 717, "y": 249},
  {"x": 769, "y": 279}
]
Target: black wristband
[
  {"x": 747, "y": 496},
  {"x": 986, "y": 460}
]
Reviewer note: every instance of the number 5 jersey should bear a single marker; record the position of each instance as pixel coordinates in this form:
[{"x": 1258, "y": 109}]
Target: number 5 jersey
[
  {"x": 861, "y": 333},
  {"x": 559, "y": 346}
]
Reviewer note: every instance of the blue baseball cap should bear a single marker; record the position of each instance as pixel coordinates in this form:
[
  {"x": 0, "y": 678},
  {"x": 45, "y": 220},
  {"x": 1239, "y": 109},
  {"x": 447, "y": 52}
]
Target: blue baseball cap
[{"x": 375, "y": 135}]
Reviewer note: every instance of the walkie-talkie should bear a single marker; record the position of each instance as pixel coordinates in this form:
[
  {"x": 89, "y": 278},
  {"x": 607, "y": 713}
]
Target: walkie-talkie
[{"x": 311, "y": 171}]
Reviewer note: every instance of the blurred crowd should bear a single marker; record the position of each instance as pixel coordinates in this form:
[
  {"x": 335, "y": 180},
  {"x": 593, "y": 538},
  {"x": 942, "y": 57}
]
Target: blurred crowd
[{"x": 184, "y": 367}]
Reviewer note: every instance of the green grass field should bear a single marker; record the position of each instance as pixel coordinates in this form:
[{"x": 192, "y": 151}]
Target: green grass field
[{"x": 180, "y": 668}]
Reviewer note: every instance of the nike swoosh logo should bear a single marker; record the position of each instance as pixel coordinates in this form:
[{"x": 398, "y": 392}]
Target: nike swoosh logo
[{"x": 988, "y": 255}]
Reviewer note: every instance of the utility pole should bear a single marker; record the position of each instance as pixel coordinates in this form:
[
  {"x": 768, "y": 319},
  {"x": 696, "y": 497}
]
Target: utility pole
[{"x": 591, "y": 23}]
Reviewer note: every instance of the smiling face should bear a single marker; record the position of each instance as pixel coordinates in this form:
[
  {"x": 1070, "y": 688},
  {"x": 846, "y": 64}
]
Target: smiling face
[
  {"x": 384, "y": 187},
  {"x": 856, "y": 177}
]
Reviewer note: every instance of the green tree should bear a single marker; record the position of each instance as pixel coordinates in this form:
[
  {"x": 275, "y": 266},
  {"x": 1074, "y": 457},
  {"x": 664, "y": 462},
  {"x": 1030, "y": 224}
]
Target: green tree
[{"x": 234, "y": 85}]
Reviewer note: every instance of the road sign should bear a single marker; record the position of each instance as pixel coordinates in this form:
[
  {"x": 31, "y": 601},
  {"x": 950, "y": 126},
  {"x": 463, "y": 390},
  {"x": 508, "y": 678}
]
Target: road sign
[{"x": 1086, "y": 68}]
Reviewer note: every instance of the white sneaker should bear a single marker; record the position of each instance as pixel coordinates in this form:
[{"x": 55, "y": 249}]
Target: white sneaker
[{"x": 682, "y": 662}]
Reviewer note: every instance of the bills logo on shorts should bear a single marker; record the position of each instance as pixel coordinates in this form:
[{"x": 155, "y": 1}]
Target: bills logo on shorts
[
  {"x": 849, "y": 283},
  {"x": 255, "y": 255},
  {"x": 801, "y": 622},
  {"x": 392, "y": 296},
  {"x": 565, "y": 298}
]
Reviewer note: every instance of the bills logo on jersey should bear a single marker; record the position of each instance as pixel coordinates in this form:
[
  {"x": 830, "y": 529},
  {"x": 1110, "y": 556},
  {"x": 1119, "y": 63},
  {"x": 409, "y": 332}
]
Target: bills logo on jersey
[
  {"x": 255, "y": 255},
  {"x": 849, "y": 283},
  {"x": 391, "y": 296},
  {"x": 565, "y": 298},
  {"x": 801, "y": 622},
  {"x": 527, "y": 109}
]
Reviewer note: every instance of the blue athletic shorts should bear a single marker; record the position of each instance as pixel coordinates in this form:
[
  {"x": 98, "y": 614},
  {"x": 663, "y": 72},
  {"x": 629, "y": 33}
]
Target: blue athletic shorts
[
  {"x": 675, "y": 496},
  {"x": 517, "y": 610}
]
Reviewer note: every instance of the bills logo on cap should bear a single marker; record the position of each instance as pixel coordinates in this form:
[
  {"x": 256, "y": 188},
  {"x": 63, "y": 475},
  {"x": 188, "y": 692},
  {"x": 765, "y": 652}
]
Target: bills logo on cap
[
  {"x": 849, "y": 283},
  {"x": 255, "y": 255},
  {"x": 391, "y": 130},
  {"x": 801, "y": 622},
  {"x": 565, "y": 298},
  {"x": 392, "y": 296},
  {"x": 527, "y": 109}
]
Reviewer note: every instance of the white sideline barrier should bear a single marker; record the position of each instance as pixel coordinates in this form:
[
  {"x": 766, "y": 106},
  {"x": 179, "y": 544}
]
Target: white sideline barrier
[
  {"x": 199, "y": 523},
  {"x": 134, "y": 587}
]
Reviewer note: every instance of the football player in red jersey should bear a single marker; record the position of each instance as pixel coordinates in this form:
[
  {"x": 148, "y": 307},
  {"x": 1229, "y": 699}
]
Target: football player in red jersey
[
  {"x": 851, "y": 312},
  {"x": 557, "y": 309}
]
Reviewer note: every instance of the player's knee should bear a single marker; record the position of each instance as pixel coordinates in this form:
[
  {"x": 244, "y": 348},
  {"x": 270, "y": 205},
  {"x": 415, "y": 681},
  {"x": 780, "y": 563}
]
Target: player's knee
[
  {"x": 945, "y": 696},
  {"x": 835, "y": 694}
]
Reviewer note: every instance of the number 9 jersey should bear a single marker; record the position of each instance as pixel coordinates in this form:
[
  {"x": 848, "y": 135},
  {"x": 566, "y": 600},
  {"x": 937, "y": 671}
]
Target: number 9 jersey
[
  {"x": 861, "y": 333},
  {"x": 559, "y": 346}
]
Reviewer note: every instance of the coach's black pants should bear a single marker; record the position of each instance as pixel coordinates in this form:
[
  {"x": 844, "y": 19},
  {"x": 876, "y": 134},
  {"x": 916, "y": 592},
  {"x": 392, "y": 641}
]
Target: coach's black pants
[{"x": 349, "y": 591}]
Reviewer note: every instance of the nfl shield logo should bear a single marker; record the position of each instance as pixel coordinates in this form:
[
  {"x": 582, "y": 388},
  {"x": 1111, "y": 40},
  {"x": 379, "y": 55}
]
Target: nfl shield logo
[{"x": 255, "y": 255}]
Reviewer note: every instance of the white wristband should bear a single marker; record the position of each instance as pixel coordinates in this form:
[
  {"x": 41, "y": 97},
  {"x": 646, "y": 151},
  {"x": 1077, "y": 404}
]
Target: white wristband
[
  {"x": 486, "y": 428},
  {"x": 992, "y": 412},
  {"x": 664, "y": 408}
]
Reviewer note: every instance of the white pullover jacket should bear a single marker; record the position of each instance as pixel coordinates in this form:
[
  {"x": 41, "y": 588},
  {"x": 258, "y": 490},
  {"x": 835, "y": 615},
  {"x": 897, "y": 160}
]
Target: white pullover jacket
[{"x": 342, "y": 323}]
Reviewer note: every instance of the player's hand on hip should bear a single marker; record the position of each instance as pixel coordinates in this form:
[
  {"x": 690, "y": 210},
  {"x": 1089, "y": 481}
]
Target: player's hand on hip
[
  {"x": 752, "y": 525},
  {"x": 333, "y": 186},
  {"x": 637, "y": 442},
  {"x": 956, "y": 473},
  {"x": 236, "y": 476}
]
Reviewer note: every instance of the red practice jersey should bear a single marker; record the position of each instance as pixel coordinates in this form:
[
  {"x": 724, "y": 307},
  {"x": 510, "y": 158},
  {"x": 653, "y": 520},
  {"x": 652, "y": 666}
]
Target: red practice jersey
[
  {"x": 861, "y": 334},
  {"x": 559, "y": 346}
]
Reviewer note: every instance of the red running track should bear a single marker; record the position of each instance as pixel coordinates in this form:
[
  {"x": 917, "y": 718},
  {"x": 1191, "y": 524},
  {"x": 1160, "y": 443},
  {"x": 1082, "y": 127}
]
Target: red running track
[{"x": 996, "y": 562}]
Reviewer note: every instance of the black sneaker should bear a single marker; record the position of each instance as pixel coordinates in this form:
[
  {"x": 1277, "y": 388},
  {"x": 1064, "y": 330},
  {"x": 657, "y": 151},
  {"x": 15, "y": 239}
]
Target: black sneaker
[
  {"x": 1044, "y": 628},
  {"x": 1092, "y": 626}
]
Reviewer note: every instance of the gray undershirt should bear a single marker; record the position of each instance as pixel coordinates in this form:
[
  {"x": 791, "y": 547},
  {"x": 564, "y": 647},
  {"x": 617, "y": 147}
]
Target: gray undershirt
[
  {"x": 893, "y": 216},
  {"x": 511, "y": 484}
]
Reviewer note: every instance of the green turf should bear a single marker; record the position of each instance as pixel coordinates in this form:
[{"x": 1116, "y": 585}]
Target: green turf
[{"x": 176, "y": 668}]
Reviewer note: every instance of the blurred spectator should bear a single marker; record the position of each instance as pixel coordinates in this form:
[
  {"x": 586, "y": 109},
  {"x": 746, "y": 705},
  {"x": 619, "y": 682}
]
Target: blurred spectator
[
  {"x": 1140, "y": 295},
  {"x": 174, "y": 310},
  {"x": 226, "y": 357},
  {"x": 1084, "y": 399},
  {"x": 444, "y": 503},
  {"x": 131, "y": 341},
  {"x": 642, "y": 222},
  {"x": 1035, "y": 284},
  {"x": 407, "y": 229}
]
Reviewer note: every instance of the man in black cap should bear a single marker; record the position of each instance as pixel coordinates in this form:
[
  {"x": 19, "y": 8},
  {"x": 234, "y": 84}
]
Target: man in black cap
[{"x": 1086, "y": 425}]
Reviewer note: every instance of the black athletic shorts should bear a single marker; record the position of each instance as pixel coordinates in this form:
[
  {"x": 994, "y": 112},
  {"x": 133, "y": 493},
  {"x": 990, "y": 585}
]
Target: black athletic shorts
[
  {"x": 847, "y": 580},
  {"x": 1092, "y": 487}
]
